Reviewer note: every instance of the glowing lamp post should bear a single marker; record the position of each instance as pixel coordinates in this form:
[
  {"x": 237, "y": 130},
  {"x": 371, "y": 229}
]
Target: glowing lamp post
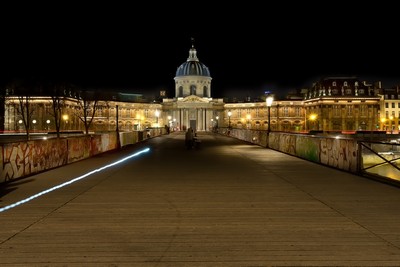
[
  {"x": 229, "y": 119},
  {"x": 270, "y": 99},
  {"x": 391, "y": 124},
  {"x": 157, "y": 115},
  {"x": 313, "y": 117},
  {"x": 34, "y": 124},
  {"x": 248, "y": 117},
  {"x": 169, "y": 121},
  {"x": 65, "y": 118},
  {"x": 383, "y": 123}
]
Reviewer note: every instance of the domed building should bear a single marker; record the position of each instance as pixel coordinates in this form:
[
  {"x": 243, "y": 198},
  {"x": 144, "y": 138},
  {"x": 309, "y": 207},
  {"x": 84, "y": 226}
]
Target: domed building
[
  {"x": 192, "y": 105},
  {"x": 331, "y": 104},
  {"x": 192, "y": 77}
]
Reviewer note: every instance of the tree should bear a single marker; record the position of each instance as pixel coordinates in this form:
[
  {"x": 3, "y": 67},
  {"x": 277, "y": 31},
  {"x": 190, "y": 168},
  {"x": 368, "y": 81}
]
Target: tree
[
  {"x": 2, "y": 106},
  {"x": 26, "y": 110},
  {"x": 24, "y": 90},
  {"x": 87, "y": 106},
  {"x": 58, "y": 95}
]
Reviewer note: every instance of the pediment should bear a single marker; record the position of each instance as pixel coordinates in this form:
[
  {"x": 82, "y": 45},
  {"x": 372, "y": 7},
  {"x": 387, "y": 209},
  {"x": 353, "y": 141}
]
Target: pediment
[{"x": 194, "y": 98}]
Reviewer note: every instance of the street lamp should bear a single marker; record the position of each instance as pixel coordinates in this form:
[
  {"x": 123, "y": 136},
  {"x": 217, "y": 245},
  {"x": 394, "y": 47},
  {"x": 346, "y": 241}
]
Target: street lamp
[
  {"x": 34, "y": 124},
  {"x": 217, "y": 121},
  {"x": 248, "y": 117},
  {"x": 313, "y": 117},
  {"x": 391, "y": 124},
  {"x": 229, "y": 119},
  {"x": 169, "y": 121},
  {"x": 270, "y": 99},
  {"x": 157, "y": 115},
  {"x": 383, "y": 123},
  {"x": 65, "y": 117}
]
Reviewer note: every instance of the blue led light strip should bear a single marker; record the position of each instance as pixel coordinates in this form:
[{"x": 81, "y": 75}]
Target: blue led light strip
[{"x": 71, "y": 181}]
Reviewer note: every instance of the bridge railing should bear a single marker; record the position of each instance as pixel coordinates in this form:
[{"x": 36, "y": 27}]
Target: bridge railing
[
  {"x": 20, "y": 158},
  {"x": 380, "y": 159},
  {"x": 351, "y": 153}
]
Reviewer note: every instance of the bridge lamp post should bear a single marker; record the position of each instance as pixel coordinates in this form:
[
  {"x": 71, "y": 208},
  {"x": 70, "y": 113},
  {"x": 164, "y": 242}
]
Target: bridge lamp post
[
  {"x": 65, "y": 118},
  {"x": 229, "y": 119},
  {"x": 270, "y": 99},
  {"x": 157, "y": 115},
  {"x": 248, "y": 117},
  {"x": 313, "y": 117},
  {"x": 391, "y": 124}
]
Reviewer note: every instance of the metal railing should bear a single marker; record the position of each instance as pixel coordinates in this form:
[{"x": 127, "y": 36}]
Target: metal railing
[{"x": 380, "y": 159}]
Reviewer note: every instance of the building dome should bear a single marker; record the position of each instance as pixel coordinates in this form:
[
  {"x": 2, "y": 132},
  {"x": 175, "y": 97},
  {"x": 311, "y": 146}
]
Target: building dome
[{"x": 192, "y": 67}]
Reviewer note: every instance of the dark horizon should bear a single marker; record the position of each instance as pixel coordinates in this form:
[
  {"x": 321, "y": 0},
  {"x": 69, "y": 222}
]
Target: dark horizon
[{"x": 274, "y": 49}]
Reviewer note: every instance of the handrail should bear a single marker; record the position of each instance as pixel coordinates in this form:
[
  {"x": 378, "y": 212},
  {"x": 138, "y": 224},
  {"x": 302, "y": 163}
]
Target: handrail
[{"x": 391, "y": 165}]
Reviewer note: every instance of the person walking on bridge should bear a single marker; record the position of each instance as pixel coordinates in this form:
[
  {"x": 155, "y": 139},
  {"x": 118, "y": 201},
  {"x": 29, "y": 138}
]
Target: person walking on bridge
[{"x": 189, "y": 138}]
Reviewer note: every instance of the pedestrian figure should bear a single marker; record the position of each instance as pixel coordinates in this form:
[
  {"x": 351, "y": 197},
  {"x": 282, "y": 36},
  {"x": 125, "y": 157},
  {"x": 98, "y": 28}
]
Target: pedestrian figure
[{"x": 189, "y": 138}]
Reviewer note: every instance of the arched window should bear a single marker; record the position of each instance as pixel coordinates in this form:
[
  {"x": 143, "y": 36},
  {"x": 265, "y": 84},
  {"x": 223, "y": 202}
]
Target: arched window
[
  {"x": 193, "y": 89},
  {"x": 205, "y": 93},
  {"x": 180, "y": 93}
]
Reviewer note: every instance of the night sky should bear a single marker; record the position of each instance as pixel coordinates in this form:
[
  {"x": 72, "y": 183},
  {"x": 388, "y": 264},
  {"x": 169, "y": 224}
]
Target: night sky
[{"x": 248, "y": 49}]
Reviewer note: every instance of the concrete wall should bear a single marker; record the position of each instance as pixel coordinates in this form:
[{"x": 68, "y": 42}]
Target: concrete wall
[
  {"x": 338, "y": 153},
  {"x": 21, "y": 159},
  {"x": 25, "y": 158}
]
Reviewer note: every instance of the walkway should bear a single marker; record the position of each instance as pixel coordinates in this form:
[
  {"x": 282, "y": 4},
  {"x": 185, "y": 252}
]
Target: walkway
[{"x": 228, "y": 203}]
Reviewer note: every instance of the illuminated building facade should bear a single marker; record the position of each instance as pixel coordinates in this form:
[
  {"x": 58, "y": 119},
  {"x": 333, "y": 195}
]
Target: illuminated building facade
[
  {"x": 342, "y": 104},
  {"x": 193, "y": 105},
  {"x": 390, "y": 106},
  {"x": 331, "y": 104}
]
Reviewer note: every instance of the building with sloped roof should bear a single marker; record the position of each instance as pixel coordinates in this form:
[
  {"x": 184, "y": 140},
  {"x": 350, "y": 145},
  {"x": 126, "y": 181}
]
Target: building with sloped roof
[
  {"x": 330, "y": 104},
  {"x": 342, "y": 104}
]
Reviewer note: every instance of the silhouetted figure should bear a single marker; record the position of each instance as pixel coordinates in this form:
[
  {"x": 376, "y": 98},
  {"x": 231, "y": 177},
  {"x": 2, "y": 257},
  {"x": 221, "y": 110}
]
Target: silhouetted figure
[{"x": 189, "y": 138}]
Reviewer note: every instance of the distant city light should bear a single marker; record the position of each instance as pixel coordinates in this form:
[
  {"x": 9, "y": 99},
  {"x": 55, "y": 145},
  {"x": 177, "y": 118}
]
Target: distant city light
[{"x": 70, "y": 182}]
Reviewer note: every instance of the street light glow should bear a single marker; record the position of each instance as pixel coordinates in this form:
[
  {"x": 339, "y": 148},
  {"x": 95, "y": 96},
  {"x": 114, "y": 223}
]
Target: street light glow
[
  {"x": 313, "y": 117},
  {"x": 269, "y": 101},
  {"x": 229, "y": 118}
]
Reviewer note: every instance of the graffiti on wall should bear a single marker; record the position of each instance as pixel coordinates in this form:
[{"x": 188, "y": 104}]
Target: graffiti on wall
[
  {"x": 26, "y": 158},
  {"x": 78, "y": 148},
  {"x": 337, "y": 153},
  {"x": 23, "y": 159},
  {"x": 287, "y": 143},
  {"x": 308, "y": 148}
]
